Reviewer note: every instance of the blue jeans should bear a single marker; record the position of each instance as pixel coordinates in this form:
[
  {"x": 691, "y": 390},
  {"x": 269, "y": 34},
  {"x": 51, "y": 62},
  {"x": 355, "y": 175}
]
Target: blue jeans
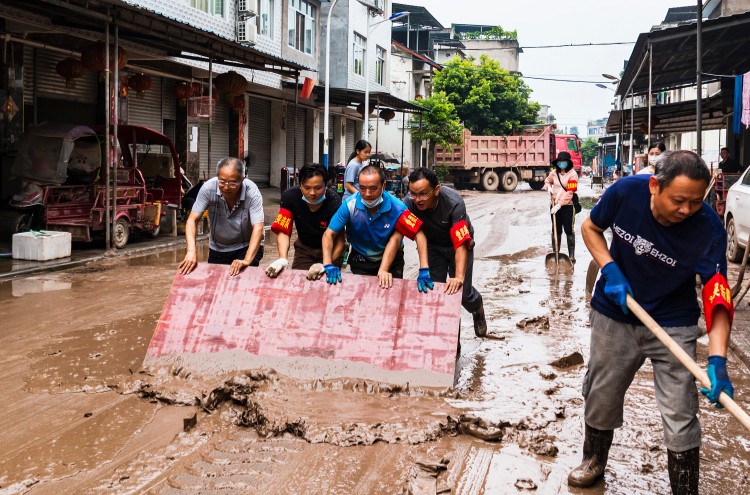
[{"x": 618, "y": 350}]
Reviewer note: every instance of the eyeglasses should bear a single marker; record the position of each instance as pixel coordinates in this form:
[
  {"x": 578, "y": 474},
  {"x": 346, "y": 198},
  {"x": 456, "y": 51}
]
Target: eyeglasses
[
  {"x": 421, "y": 196},
  {"x": 229, "y": 184}
]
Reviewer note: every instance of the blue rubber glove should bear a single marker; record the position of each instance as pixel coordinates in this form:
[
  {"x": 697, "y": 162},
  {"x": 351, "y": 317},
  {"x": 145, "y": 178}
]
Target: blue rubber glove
[
  {"x": 717, "y": 373},
  {"x": 424, "y": 281},
  {"x": 333, "y": 274},
  {"x": 616, "y": 286}
]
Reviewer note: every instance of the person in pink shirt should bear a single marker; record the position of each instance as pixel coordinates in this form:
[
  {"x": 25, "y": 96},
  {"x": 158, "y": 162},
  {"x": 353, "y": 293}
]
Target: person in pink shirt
[{"x": 563, "y": 182}]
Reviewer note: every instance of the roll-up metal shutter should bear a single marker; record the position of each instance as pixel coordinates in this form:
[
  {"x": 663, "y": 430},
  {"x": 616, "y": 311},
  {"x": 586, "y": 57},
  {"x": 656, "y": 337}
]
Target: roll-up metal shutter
[
  {"x": 51, "y": 85},
  {"x": 146, "y": 111},
  {"x": 259, "y": 141},
  {"x": 300, "y": 126},
  {"x": 28, "y": 74},
  {"x": 168, "y": 101},
  {"x": 351, "y": 135},
  {"x": 219, "y": 139}
]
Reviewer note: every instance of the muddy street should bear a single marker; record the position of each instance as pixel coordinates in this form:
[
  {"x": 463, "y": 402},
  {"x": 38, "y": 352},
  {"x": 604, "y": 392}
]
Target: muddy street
[{"x": 82, "y": 415}]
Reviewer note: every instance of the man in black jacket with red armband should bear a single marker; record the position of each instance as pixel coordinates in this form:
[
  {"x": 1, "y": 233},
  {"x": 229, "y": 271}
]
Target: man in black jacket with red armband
[{"x": 450, "y": 243}]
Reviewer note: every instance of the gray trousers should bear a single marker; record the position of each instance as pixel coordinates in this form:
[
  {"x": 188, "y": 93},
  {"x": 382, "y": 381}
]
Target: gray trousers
[
  {"x": 618, "y": 350},
  {"x": 442, "y": 261}
]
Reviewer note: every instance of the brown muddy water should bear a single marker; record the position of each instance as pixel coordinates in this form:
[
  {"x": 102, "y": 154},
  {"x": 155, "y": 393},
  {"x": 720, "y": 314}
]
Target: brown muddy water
[{"x": 82, "y": 415}]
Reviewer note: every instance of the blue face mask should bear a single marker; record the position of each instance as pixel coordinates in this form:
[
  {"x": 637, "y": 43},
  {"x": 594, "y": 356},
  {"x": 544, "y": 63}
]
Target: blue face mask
[
  {"x": 320, "y": 200},
  {"x": 563, "y": 165},
  {"x": 374, "y": 203}
]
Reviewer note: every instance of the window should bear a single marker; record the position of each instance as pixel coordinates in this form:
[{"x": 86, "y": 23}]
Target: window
[
  {"x": 265, "y": 17},
  {"x": 302, "y": 26},
  {"x": 572, "y": 145},
  {"x": 358, "y": 54},
  {"x": 215, "y": 7},
  {"x": 380, "y": 65}
]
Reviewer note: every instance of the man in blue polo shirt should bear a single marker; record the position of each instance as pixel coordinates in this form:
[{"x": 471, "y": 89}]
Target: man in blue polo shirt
[
  {"x": 663, "y": 234},
  {"x": 376, "y": 224}
]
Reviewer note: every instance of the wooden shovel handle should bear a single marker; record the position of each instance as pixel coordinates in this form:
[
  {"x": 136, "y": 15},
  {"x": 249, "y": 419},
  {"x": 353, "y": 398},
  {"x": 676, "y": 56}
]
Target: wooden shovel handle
[{"x": 686, "y": 360}]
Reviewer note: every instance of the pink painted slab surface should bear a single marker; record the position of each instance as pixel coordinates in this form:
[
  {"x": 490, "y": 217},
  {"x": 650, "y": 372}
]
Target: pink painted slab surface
[{"x": 398, "y": 329}]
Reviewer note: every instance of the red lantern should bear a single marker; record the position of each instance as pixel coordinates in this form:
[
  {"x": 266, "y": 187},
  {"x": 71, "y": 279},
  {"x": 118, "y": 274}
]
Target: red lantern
[
  {"x": 387, "y": 114},
  {"x": 92, "y": 57},
  {"x": 361, "y": 109},
  {"x": 238, "y": 103},
  {"x": 71, "y": 69},
  {"x": 182, "y": 91},
  {"x": 140, "y": 83},
  {"x": 307, "y": 88},
  {"x": 231, "y": 83}
]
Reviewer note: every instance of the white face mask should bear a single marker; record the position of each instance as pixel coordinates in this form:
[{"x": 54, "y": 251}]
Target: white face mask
[
  {"x": 317, "y": 202},
  {"x": 653, "y": 159},
  {"x": 373, "y": 203}
]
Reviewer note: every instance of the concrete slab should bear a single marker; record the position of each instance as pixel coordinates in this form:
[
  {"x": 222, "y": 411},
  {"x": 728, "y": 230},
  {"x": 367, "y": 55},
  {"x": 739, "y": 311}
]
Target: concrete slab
[{"x": 214, "y": 323}]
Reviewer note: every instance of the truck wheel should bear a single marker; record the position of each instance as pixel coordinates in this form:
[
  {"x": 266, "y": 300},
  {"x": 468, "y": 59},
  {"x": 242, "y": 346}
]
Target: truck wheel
[
  {"x": 536, "y": 186},
  {"x": 509, "y": 181},
  {"x": 490, "y": 180},
  {"x": 121, "y": 232}
]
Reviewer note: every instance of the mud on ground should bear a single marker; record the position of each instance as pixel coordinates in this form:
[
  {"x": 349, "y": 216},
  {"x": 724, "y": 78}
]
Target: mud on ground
[{"x": 83, "y": 416}]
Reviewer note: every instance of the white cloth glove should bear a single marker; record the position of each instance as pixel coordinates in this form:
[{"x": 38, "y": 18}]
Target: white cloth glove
[
  {"x": 277, "y": 267},
  {"x": 316, "y": 272},
  {"x": 554, "y": 209}
]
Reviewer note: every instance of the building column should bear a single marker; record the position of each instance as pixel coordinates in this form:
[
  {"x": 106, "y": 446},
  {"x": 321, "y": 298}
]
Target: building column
[{"x": 278, "y": 141}]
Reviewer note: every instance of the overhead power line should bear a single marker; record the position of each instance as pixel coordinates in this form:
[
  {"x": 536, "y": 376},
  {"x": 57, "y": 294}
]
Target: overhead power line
[{"x": 450, "y": 46}]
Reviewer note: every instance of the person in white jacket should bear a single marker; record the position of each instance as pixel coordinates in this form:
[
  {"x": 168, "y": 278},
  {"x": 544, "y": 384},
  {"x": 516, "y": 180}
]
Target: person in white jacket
[{"x": 563, "y": 182}]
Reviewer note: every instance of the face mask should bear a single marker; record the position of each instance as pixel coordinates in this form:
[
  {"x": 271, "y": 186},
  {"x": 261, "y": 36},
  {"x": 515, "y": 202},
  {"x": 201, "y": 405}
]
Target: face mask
[
  {"x": 653, "y": 159},
  {"x": 373, "y": 203},
  {"x": 320, "y": 200},
  {"x": 562, "y": 165}
]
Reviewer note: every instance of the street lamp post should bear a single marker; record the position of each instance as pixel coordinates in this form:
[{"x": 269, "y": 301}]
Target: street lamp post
[
  {"x": 370, "y": 29},
  {"x": 327, "y": 104}
]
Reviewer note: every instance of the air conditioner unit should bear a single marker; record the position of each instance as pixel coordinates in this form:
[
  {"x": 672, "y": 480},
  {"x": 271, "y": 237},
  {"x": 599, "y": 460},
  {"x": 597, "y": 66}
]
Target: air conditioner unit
[
  {"x": 247, "y": 7},
  {"x": 246, "y": 31}
]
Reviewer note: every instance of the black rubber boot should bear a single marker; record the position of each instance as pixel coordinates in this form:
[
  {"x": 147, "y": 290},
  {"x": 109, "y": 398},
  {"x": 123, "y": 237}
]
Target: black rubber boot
[
  {"x": 596, "y": 446},
  {"x": 480, "y": 322},
  {"x": 684, "y": 468},
  {"x": 572, "y": 247}
]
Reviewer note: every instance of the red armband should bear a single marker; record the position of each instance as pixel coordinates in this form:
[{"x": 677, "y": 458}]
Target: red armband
[
  {"x": 717, "y": 293},
  {"x": 408, "y": 224},
  {"x": 283, "y": 222},
  {"x": 572, "y": 186},
  {"x": 460, "y": 234}
]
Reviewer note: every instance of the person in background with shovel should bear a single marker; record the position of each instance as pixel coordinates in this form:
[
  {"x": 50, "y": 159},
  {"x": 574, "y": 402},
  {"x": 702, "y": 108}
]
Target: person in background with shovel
[
  {"x": 562, "y": 182},
  {"x": 663, "y": 235}
]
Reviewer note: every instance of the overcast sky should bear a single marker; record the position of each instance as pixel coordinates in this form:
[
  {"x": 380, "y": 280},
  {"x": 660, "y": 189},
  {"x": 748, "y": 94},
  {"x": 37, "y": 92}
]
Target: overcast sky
[{"x": 559, "y": 22}]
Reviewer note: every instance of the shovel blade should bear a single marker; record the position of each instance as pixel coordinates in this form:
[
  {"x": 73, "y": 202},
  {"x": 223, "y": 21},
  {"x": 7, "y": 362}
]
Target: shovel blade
[
  {"x": 562, "y": 264},
  {"x": 550, "y": 262}
]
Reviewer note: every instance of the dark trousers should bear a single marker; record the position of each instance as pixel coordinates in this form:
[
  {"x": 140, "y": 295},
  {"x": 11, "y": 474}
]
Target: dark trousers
[
  {"x": 360, "y": 265},
  {"x": 305, "y": 257},
  {"x": 226, "y": 258},
  {"x": 442, "y": 261},
  {"x": 566, "y": 219}
]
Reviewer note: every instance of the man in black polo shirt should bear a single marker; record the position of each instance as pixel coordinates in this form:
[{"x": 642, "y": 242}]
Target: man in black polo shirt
[
  {"x": 310, "y": 207},
  {"x": 727, "y": 165},
  {"x": 450, "y": 244}
]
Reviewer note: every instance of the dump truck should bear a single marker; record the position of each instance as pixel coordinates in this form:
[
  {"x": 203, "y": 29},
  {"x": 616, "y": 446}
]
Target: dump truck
[{"x": 493, "y": 162}]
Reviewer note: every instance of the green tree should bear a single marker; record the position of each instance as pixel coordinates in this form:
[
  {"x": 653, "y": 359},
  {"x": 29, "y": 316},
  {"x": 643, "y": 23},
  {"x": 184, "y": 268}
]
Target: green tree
[
  {"x": 439, "y": 125},
  {"x": 588, "y": 151},
  {"x": 488, "y": 99}
]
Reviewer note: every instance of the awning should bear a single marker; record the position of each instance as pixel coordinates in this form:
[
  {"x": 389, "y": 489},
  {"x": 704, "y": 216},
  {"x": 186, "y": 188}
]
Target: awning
[
  {"x": 725, "y": 42},
  {"x": 75, "y": 23},
  {"x": 340, "y": 97},
  {"x": 669, "y": 118},
  {"x": 419, "y": 17}
]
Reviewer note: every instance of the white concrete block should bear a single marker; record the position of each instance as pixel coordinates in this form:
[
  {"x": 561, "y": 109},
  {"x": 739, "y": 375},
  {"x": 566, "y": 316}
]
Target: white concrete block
[{"x": 41, "y": 245}]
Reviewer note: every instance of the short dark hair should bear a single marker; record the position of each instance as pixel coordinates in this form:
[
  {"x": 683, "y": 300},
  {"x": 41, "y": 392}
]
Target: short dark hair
[
  {"x": 424, "y": 173},
  {"x": 312, "y": 170},
  {"x": 373, "y": 170},
  {"x": 724, "y": 149},
  {"x": 661, "y": 147},
  {"x": 678, "y": 163}
]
